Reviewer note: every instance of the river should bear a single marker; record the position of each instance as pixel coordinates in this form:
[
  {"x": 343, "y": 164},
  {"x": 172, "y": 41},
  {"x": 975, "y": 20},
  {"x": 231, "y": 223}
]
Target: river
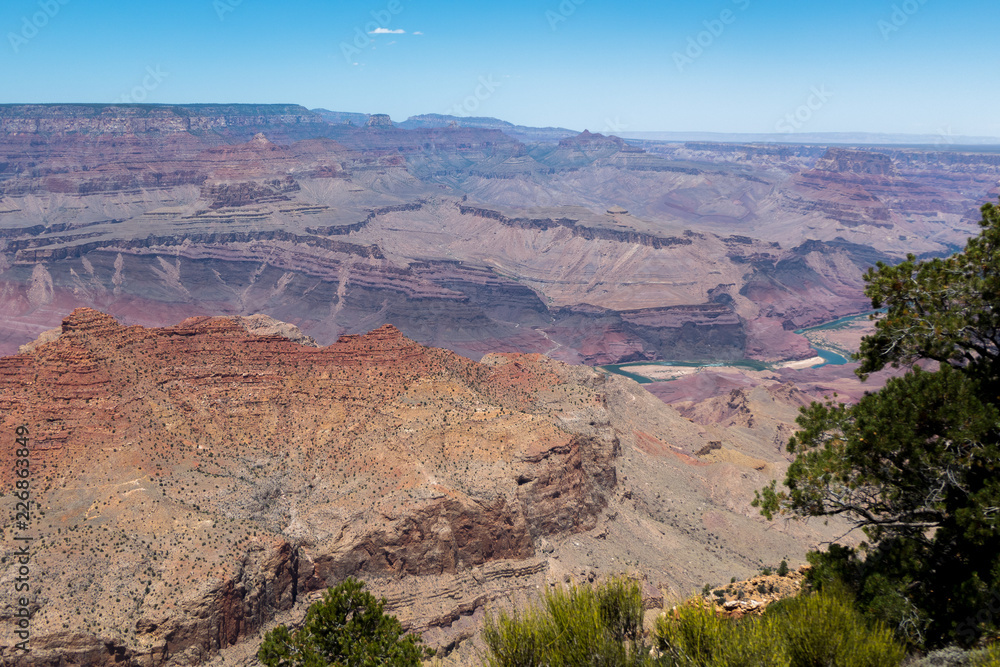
[{"x": 830, "y": 357}]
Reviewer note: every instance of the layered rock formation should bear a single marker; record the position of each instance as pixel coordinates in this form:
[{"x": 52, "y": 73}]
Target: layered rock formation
[
  {"x": 139, "y": 119},
  {"x": 192, "y": 482},
  {"x": 462, "y": 236}
]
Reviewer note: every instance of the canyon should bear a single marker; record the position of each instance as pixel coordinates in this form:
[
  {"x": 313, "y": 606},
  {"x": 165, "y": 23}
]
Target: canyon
[
  {"x": 259, "y": 348},
  {"x": 193, "y": 482},
  {"x": 587, "y": 248}
]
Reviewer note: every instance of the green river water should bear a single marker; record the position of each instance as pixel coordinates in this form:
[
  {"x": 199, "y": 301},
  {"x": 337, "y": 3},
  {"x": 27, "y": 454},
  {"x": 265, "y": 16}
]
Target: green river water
[{"x": 830, "y": 357}]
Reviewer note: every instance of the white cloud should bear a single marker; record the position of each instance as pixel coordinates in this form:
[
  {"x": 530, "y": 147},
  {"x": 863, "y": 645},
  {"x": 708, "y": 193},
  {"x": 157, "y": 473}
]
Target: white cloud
[
  {"x": 417, "y": 32},
  {"x": 386, "y": 31}
]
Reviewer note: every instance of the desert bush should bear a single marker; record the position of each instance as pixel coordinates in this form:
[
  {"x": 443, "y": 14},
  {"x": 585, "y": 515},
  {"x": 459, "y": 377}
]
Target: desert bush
[
  {"x": 827, "y": 629},
  {"x": 988, "y": 657},
  {"x": 578, "y": 625},
  {"x": 811, "y": 630},
  {"x": 877, "y": 583},
  {"x": 950, "y": 656},
  {"x": 602, "y": 626},
  {"x": 620, "y": 604},
  {"x": 692, "y": 635},
  {"x": 954, "y": 656}
]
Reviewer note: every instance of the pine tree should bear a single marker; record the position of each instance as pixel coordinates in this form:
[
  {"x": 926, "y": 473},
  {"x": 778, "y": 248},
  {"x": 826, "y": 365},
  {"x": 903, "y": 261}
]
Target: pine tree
[{"x": 916, "y": 464}]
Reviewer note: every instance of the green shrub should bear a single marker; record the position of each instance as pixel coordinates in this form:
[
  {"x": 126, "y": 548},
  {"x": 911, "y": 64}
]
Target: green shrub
[
  {"x": 954, "y": 656},
  {"x": 620, "y": 603},
  {"x": 988, "y": 657},
  {"x": 877, "y": 583},
  {"x": 347, "y": 628},
  {"x": 826, "y": 629},
  {"x": 602, "y": 626},
  {"x": 571, "y": 626},
  {"x": 808, "y": 631},
  {"x": 783, "y": 569},
  {"x": 692, "y": 635},
  {"x": 949, "y": 656}
]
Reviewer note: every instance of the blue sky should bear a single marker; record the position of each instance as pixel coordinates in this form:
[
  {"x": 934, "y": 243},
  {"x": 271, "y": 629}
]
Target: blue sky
[{"x": 903, "y": 66}]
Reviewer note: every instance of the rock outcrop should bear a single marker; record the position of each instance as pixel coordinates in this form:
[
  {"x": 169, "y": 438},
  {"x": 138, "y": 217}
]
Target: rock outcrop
[
  {"x": 226, "y": 474},
  {"x": 379, "y": 120},
  {"x": 198, "y": 483}
]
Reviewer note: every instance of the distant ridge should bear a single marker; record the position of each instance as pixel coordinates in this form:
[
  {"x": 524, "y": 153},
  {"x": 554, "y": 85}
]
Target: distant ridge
[
  {"x": 520, "y": 132},
  {"x": 943, "y": 141},
  {"x": 342, "y": 117},
  {"x": 88, "y": 109},
  {"x": 281, "y": 123},
  {"x": 298, "y": 122}
]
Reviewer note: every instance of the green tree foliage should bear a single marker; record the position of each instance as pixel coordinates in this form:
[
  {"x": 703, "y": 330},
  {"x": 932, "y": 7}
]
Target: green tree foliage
[
  {"x": 347, "y": 628},
  {"x": 916, "y": 464},
  {"x": 943, "y": 309},
  {"x": 580, "y": 625}
]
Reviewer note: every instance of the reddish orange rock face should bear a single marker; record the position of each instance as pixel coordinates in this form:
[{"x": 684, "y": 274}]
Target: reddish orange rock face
[{"x": 201, "y": 464}]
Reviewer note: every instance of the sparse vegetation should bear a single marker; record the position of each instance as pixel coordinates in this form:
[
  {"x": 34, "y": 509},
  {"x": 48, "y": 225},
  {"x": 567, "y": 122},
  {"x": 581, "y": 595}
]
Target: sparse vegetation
[{"x": 692, "y": 635}]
